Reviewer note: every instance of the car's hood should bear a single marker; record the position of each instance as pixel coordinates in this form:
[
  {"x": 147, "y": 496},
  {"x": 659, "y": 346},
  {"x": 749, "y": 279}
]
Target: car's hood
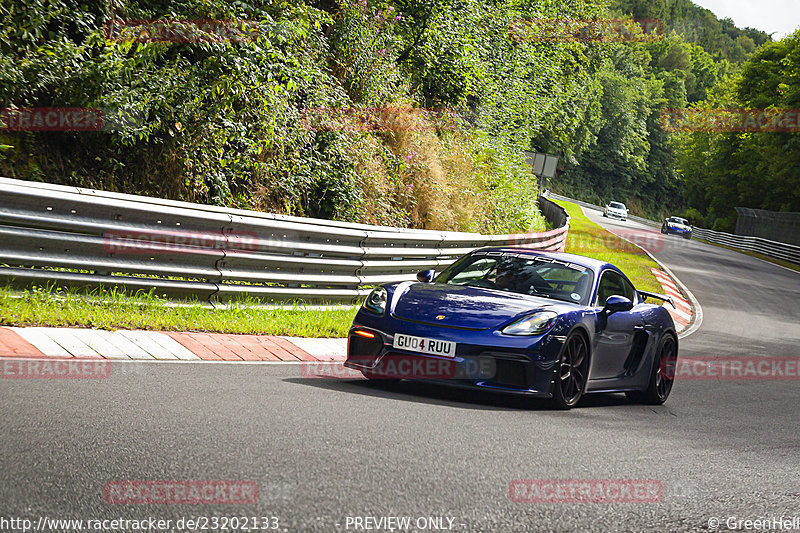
[
  {"x": 677, "y": 225},
  {"x": 464, "y": 307}
]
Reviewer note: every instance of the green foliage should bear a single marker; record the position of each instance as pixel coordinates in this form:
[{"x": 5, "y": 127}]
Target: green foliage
[
  {"x": 225, "y": 121},
  {"x": 719, "y": 38},
  {"x": 222, "y": 121},
  {"x": 759, "y": 170},
  {"x": 631, "y": 158}
]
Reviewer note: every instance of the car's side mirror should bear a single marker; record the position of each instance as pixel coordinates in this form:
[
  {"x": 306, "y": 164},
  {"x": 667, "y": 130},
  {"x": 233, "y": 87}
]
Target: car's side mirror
[
  {"x": 617, "y": 303},
  {"x": 426, "y": 276}
]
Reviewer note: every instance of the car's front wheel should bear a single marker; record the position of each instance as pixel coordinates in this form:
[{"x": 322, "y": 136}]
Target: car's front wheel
[
  {"x": 571, "y": 372},
  {"x": 662, "y": 376}
]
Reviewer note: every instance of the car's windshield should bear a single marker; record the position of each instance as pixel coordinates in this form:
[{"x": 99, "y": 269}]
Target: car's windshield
[
  {"x": 678, "y": 220},
  {"x": 617, "y": 205},
  {"x": 521, "y": 274}
]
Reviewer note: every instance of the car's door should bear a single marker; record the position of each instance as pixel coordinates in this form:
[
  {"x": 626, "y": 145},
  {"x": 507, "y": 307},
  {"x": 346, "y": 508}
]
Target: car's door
[{"x": 615, "y": 336}]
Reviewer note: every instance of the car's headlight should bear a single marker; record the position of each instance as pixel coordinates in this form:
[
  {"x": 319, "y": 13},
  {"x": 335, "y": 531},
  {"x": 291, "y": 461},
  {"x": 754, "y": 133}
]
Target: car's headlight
[
  {"x": 376, "y": 301},
  {"x": 534, "y": 324}
]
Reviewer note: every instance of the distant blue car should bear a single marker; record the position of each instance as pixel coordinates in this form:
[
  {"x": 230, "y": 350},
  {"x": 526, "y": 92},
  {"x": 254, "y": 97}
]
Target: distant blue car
[
  {"x": 677, "y": 226},
  {"x": 548, "y": 325}
]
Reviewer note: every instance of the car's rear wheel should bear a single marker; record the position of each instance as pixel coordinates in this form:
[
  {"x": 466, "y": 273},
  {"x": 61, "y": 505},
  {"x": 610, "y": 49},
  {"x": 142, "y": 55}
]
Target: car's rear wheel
[
  {"x": 662, "y": 376},
  {"x": 571, "y": 372}
]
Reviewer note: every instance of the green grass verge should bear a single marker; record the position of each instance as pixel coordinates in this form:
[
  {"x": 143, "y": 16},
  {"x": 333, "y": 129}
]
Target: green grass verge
[
  {"x": 48, "y": 306},
  {"x": 587, "y": 238}
]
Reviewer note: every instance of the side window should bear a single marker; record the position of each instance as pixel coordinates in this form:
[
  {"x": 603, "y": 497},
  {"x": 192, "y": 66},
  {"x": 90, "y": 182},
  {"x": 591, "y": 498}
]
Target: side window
[
  {"x": 629, "y": 291},
  {"x": 611, "y": 284}
]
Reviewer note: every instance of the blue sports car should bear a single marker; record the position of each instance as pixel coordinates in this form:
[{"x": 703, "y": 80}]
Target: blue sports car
[
  {"x": 542, "y": 324},
  {"x": 678, "y": 226}
]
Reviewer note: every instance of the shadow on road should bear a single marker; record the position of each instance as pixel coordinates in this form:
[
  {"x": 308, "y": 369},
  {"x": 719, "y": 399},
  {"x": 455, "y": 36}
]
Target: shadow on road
[{"x": 430, "y": 393}]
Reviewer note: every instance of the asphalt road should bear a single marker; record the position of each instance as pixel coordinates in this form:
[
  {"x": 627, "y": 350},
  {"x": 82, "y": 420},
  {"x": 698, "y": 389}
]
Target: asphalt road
[{"x": 324, "y": 450}]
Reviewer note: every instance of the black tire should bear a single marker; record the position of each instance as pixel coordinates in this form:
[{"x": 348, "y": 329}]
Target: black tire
[
  {"x": 663, "y": 230},
  {"x": 662, "y": 377},
  {"x": 571, "y": 372},
  {"x": 687, "y": 236}
]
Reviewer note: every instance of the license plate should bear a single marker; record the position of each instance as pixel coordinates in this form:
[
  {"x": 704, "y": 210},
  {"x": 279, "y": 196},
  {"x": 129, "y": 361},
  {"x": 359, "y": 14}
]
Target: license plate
[{"x": 423, "y": 345}]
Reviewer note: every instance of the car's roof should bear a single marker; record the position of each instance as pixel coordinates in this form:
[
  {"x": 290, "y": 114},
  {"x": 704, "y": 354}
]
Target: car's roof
[{"x": 594, "y": 264}]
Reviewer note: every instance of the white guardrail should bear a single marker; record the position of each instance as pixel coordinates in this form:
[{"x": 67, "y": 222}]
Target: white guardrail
[
  {"x": 54, "y": 234},
  {"x": 778, "y": 250},
  {"x": 775, "y": 249}
]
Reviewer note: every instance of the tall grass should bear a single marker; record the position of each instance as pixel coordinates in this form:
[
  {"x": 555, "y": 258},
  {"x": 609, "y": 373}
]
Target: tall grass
[{"x": 432, "y": 171}]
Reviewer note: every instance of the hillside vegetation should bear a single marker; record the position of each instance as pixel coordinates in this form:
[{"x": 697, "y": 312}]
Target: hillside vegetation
[
  {"x": 632, "y": 158},
  {"x": 266, "y": 122}
]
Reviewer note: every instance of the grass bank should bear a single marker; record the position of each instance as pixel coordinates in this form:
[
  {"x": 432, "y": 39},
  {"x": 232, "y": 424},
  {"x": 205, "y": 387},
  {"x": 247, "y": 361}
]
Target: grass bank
[
  {"x": 47, "y": 306},
  {"x": 587, "y": 238}
]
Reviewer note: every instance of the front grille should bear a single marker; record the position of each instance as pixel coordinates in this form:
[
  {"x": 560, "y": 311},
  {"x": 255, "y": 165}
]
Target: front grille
[{"x": 510, "y": 374}]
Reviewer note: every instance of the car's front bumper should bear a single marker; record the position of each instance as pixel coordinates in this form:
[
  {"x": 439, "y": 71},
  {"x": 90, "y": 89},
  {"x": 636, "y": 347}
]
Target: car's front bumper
[
  {"x": 516, "y": 368},
  {"x": 619, "y": 216}
]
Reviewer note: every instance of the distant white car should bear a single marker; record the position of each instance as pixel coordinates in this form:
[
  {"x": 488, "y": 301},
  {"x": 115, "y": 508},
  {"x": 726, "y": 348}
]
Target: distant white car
[{"x": 616, "y": 210}]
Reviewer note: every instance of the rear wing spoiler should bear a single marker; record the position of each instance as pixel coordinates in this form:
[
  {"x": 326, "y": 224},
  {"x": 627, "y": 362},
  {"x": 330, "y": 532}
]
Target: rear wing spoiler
[{"x": 648, "y": 294}]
